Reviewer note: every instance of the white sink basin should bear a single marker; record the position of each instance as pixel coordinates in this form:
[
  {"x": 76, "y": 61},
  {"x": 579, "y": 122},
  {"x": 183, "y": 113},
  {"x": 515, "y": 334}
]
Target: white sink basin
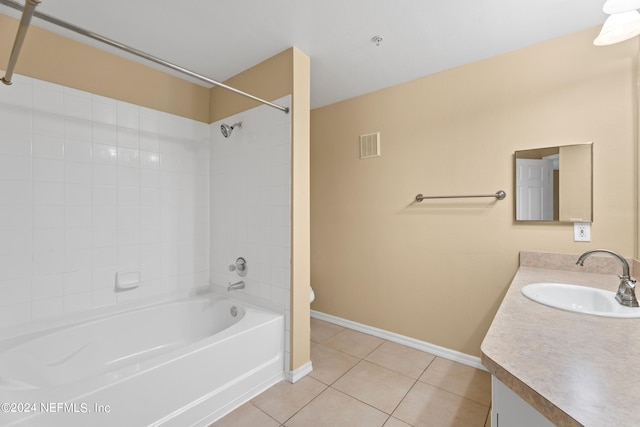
[{"x": 580, "y": 299}]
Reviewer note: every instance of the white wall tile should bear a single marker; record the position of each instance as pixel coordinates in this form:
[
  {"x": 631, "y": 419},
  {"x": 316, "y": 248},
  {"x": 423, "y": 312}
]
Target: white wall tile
[
  {"x": 41, "y": 309},
  {"x": 104, "y": 278},
  {"x": 48, "y": 193},
  {"x": 16, "y": 193},
  {"x": 15, "y": 217},
  {"x": 128, "y": 157},
  {"x": 85, "y": 192},
  {"x": 104, "y": 110},
  {"x": 78, "y": 216},
  {"x": 106, "y": 216},
  {"x": 78, "y": 237},
  {"x": 128, "y": 115},
  {"x": 105, "y": 154},
  {"x": 128, "y": 138},
  {"x": 15, "y": 291},
  {"x": 47, "y": 286},
  {"x": 47, "y": 123},
  {"x": 45, "y": 216},
  {"x": 256, "y": 160},
  {"x": 16, "y": 241},
  {"x": 105, "y": 134},
  {"x": 78, "y": 172},
  {"x": 105, "y": 236},
  {"x": 105, "y": 175},
  {"x": 77, "y": 260},
  {"x": 15, "y": 314},
  {"x": 78, "y": 129},
  {"x": 78, "y": 150},
  {"x": 16, "y": 143},
  {"x": 77, "y": 282},
  {"x": 104, "y": 197},
  {"x": 45, "y": 170},
  {"x": 77, "y": 104},
  {"x": 48, "y": 239},
  {"x": 78, "y": 194},
  {"x": 15, "y": 168},
  {"x": 77, "y": 302},
  {"x": 48, "y": 263},
  {"x": 128, "y": 177},
  {"x": 20, "y": 94}
]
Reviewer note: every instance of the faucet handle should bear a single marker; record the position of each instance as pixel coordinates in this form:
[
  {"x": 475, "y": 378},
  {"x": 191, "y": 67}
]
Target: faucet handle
[{"x": 239, "y": 267}]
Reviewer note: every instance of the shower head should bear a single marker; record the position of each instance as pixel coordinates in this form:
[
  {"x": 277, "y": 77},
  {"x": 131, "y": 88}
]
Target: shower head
[{"x": 226, "y": 129}]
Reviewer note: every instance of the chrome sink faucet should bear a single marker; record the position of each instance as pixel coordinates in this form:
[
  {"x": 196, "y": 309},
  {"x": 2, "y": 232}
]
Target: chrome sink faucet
[{"x": 626, "y": 294}]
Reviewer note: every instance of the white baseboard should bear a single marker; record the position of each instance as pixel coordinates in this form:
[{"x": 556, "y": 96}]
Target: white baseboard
[
  {"x": 436, "y": 350},
  {"x": 296, "y": 374}
]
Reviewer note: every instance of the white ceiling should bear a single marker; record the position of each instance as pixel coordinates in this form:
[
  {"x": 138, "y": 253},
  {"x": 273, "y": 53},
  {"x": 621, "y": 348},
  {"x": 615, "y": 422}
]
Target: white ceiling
[{"x": 220, "y": 38}]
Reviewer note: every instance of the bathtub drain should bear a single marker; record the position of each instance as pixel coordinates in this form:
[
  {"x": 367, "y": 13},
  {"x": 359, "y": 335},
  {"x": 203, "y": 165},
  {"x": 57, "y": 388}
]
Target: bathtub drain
[{"x": 234, "y": 311}]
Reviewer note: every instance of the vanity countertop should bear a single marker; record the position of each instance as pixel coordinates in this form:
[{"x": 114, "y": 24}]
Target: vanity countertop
[{"x": 575, "y": 369}]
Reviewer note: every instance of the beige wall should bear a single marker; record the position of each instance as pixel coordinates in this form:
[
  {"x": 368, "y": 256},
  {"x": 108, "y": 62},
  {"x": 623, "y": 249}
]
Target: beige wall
[
  {"x": 437, "y": 271},
  {"x": 269, "y": 80},
  {"x": 50, "y": 57}
]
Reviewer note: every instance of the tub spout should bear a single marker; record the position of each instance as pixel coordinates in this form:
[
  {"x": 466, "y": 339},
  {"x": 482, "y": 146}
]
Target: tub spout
[
  {"x": 626, "y": 294},
  {"x": 234, "y": 286}
]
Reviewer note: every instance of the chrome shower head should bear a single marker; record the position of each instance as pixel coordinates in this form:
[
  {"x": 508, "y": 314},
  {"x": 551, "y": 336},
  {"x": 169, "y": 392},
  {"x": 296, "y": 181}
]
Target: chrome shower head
[{"x": 226, "y": 129}]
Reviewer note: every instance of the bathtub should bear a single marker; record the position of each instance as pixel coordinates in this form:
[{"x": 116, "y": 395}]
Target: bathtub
[{"x": 171, "y": 363}]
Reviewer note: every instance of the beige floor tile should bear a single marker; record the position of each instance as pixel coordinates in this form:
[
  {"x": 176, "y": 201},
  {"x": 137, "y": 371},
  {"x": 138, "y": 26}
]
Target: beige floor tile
[
  {"x": 429, "y": 406},
  {"x": 460, "y": 379},
  {"x": 335, "y": 409},
  {"x": 322, "y": 331},
  {"x": 353, "y": 342},
  {"x": 330, "y": 364},
  {"x": 400, "y": 358},
  {"x": 380, "y": 387},
  {"x": 246, "y": 415},
  {"x": 285, "y": 399},
  {"x": 394, "y": 422}
]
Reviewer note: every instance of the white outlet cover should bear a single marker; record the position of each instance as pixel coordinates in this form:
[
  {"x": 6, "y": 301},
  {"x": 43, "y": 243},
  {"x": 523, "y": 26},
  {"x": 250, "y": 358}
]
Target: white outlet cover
[{"x": 581, "y": 231}]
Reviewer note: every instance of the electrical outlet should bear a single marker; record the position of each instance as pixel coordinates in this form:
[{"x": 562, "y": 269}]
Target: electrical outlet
[{"x": 581, "y": 231}]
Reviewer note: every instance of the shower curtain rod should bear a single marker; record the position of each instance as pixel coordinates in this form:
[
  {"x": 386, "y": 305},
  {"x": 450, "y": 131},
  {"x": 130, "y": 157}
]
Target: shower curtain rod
[{"x": 30, "y": 4}]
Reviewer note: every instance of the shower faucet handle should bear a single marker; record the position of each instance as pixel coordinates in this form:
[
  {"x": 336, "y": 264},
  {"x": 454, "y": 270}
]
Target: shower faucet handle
[{"x": 239, "y": 267}]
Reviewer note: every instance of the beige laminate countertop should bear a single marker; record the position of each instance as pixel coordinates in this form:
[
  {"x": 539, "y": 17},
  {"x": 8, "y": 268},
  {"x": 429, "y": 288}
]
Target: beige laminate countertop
[{"x": 575, "y": 369}]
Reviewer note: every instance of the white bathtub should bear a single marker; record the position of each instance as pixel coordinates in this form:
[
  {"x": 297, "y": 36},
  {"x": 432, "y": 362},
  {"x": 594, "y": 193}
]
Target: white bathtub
[{"x": 179, "y": 363}]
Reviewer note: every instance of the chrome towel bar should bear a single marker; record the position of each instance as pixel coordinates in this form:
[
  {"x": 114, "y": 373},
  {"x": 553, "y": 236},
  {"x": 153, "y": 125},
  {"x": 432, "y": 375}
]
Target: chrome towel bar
[{"x": 498, "y": 195}]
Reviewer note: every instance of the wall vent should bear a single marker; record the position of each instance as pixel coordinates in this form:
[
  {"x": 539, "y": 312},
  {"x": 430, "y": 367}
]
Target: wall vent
[{"x": 370, "y": 145}]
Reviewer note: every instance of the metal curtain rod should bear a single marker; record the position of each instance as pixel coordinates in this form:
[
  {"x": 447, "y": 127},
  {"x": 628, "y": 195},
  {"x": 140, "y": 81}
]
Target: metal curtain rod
[
  {"x": 27, "y": 14},
  {"x": 498, "y": 195},
  {"x": 134, "y": 51}
]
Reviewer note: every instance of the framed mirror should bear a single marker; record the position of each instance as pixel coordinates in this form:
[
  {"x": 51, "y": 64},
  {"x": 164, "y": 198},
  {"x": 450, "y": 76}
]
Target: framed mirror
[{"x": 554, "y": 184}]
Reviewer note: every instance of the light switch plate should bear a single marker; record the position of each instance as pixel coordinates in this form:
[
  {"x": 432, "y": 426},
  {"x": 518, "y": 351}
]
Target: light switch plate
[{"x": 581, "y": 231}]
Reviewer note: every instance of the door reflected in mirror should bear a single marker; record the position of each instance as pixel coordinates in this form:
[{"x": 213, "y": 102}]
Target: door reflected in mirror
[{"x": 554, "y": 184}]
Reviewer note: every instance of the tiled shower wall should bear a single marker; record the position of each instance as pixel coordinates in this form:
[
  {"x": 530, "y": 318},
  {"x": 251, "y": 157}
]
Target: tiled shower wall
[
  {"x": 251, "y": 207},
  {"x": 90, "y": 186}
]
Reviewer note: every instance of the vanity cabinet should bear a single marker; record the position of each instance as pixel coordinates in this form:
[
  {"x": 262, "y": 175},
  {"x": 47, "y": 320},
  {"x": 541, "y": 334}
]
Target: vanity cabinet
[{"x": 510, "y": 410}]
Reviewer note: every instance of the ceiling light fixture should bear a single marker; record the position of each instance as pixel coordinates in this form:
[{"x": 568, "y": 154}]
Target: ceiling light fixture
[{"x": 622, "y": 24}]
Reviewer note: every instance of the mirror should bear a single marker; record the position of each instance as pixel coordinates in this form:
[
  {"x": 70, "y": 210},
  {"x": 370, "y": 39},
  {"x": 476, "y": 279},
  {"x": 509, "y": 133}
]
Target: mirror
[{"x": 554, "y": 184}]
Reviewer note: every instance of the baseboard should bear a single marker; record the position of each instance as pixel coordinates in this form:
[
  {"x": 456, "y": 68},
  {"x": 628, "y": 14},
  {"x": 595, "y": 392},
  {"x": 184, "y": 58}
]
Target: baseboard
[
  {"x": 436, "y": 350},
  {"x": 296, "y": 374}
]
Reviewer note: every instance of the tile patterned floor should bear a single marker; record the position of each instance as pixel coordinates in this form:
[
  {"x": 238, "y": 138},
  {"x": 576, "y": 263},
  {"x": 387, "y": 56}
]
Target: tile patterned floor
[{"x": 363, "y": 381}]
